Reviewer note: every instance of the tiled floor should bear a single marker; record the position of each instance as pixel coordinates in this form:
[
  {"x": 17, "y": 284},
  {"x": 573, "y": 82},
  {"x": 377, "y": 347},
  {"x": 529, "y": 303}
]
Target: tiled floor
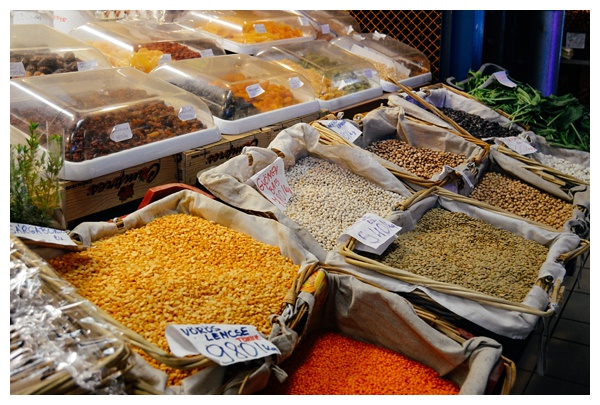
[{"x": 567, "y": 370}]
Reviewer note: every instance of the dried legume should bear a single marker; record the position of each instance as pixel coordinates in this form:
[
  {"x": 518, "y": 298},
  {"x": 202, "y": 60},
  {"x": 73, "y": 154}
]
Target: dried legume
[
  {"x": 328, "y": 363},
  {"x": 522, "y": 199},
  {"x": 479, "y": 127},
  {"x": 564, "y": 166},
  {"x": 181, "y": 269},
  {"x": 452, "y": 247},
  {"x": 327, "y": 199},
  {"x": 423, "y": 162}
]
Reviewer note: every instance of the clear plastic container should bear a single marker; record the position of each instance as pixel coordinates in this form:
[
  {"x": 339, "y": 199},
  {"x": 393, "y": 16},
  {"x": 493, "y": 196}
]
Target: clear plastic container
[
  {"x": 331, "y": 24},
  {"x": 242, "y": 91},
  {"x": 144, "y": 45},
  {"x": 37, "y": 49},
  {"x": 392, "y": 59},
  {"x": 339, "y": 78},
  {"x": 249, "y": 31},
  {"x": 110, "y": 119}
]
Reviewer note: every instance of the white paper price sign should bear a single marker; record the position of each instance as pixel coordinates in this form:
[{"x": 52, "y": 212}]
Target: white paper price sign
[
  {"x": 17, "y": 69},
  {"x": 41, "y": 234},
  {"x": 224, "y": 344},
  {"x": 121, "y": 132},
  {"x": 295, "y": 82},
  {"x": 186, "y": 113},
  {"x": 86, "y": 65},
  {"x": 260, "y": 28},
  {"x": 343, "y": 128},
  {"x": 254, "y": 90},
  {"x": 273, "y": 184},
  {"x": 325, "y": 29},
  {"x": 372, "y": 233},
  {"x": 519, "y": 145},
  {"x": 164, "y": 58}
]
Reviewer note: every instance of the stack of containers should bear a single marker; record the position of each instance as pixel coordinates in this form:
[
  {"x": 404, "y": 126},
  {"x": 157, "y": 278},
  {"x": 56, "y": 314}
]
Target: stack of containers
[
  {"x": 249, "y": 31},
  {"x": 395, "y": 61},
  {"x": 242, "y": 92},
  {"x": 145, "y": 45},
  {"x": 339, "y": 78},
  {"x": 330, "y": 24},
  {"x": 37, "y": 49},
  {"x": 110, "y": 119}
]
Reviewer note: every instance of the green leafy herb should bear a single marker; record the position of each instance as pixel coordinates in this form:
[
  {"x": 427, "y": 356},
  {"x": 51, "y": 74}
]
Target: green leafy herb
[
  {"x": 562, "y": 120},
  {"x": 34, "y": 181}
]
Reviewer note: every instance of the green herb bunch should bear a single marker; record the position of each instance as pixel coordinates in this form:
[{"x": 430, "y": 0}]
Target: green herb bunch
[
  {"x": 562, "y": 120},
  {"x": 34, "y": 181}
]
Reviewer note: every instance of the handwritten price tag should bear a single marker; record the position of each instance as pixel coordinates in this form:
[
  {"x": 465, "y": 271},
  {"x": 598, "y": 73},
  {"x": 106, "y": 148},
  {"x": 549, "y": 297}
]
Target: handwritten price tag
[
  {"x": 272, "y": 183},
  {"x": 224, "y": 344},
  {"x": 121, "y": 132},
  {"x": 254, "y": 90},
  {"x": 343, "y": 128},
  {"x": 187, "y": 112},
  {"x": 519, "y": 145},
  {"x": 86, "y": 65},
  {"x": 372, "y": 233},
  {"x": 41, "y": 234}
]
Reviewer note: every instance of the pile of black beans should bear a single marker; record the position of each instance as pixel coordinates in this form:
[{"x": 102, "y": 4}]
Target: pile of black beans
[{"x": 477, "y": 126}]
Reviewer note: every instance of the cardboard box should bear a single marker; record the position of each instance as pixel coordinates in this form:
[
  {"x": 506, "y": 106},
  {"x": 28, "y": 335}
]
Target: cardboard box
[
  {"x": 87, "y": 197},
  {"x": 193, "y": 161}
]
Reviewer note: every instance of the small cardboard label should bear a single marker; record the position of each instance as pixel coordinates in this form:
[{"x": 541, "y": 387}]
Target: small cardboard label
[
  {"x": 17, "y": 69},
  {"x": 343, "y": 128},
  {"x": 187, "y": 112},
  {"x": 272, "y": 183},
  {"x": 224, "y": 344},
  {"x": 295, "y": 82},
  {"x": 41, "y": 234},
  {"x": 372, "y": 233},
  {"x": 86, "y": 65},
  {"x": 254, "y": 90},
  {"x": 121, "y": 132}
]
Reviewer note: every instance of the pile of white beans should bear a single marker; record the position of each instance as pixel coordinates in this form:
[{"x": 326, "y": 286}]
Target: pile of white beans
[
  {"x": 327, "y": 199},
  {"x": 564, "y": 166}
]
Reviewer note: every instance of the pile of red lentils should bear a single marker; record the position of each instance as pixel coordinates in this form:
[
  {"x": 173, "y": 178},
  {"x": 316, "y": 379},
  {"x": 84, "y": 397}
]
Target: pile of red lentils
[{"x": 328, "y": 363}]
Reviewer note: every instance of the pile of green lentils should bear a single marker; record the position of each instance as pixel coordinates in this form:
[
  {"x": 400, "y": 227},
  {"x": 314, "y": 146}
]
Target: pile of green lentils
[{"x": 452, "y": 247}]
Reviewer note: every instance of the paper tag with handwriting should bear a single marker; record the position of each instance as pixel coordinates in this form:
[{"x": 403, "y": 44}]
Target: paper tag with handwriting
[
  {"x": 254, "y": 90},
  {"x": 519, "y": 145},
  {"x": 186, "y": 113},
  {"x": 343, "y": 128},
  {"x": 121, "y": 132},
  {"x": 206, "y": 53},
  {"x": 372, "y": 233},
  {"x": 86, "y": 65},
  {"x": 224, "y": 344},
  {"x": 272, "y": 183},
  {"x": 41, "y": 234}
]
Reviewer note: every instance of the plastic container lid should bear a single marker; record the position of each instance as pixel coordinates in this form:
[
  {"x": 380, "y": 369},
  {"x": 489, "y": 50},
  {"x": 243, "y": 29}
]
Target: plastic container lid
[
  {"x": 331, "y": 24},
  {"x": 392, "y": 59},
  {"x": 111, "y": 119},
  {"x": 249, "y": 31},
  {"x": 144, "y": 45},
  {"x": 243, "y": 92},
  {"x": 338, "y": 77},
  {"x": 37, "y": 49}
]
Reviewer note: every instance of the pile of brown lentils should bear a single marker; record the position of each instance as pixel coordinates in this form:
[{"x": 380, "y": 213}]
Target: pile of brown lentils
[
  {"x": 454, "y": 248},
  {"x": 423, "y": 162},
  {"x": 522, "y": 199}
]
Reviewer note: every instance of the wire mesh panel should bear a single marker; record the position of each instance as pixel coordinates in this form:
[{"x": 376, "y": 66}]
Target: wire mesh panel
[{"x": 420, "y": 29}]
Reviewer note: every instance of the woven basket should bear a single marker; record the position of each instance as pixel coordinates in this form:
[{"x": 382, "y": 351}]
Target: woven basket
[
  {"x": 329, "y": 137},
  {"x": 564, "y": 181},
  {"x": 500, "y": 381},
  {"x": 552, "y": 287},
  {"x": 191, "y": 362},
  {"x": 103, "y": 354}
]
